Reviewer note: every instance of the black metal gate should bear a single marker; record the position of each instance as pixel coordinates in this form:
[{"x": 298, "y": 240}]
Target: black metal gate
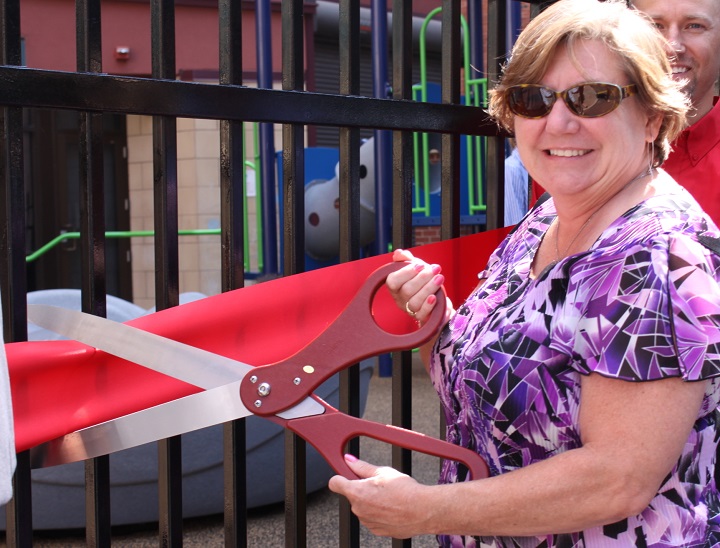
[{"x": 90, "y": 92}]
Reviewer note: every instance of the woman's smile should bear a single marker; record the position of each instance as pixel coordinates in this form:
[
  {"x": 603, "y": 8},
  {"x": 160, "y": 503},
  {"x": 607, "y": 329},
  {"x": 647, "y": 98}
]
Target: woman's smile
[{"x": 568, "y": 153}]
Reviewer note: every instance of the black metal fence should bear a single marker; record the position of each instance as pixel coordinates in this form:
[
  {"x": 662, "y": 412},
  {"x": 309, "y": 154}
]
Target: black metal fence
[{"x": 91, "y": 93}]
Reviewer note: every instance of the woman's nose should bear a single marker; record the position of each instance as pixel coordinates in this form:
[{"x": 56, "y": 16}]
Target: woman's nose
[{"x": 561, "y": 119}]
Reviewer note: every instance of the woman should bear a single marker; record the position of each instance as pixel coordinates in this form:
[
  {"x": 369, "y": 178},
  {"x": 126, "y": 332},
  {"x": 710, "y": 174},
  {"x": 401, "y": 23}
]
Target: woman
[{"x": 584, "y": 368}]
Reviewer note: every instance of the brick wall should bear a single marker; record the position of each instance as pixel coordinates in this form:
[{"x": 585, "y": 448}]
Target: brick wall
[{"x": 428, "y": 234}]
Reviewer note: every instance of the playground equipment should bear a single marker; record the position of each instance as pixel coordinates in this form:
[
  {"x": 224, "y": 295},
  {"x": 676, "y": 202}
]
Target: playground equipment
[
  {"x": 427, "y": 149},
  {"x": 322, "y": 218}
]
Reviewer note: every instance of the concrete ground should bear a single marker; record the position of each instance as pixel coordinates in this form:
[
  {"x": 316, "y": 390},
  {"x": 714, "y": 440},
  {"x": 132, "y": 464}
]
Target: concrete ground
[{"x": 266, "y": 525}]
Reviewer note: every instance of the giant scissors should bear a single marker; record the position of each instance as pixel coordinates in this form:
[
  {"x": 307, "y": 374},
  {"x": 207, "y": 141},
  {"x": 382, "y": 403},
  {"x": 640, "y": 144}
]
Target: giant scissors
[{"x": 281, "y": 392}]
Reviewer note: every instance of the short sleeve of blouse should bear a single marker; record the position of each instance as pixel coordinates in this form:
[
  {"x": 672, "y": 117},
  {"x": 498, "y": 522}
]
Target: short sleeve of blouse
[{"x": 646, "y": 313}]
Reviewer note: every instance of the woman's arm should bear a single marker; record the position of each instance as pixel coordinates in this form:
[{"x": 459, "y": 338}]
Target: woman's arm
[{"x": 632, "y": 434}]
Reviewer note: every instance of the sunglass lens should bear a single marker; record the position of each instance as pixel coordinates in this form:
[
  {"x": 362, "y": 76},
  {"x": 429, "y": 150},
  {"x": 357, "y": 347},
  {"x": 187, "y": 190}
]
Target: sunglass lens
[
  {"x": 593, "y": 100},
  {"x": 530, "y": 101}
]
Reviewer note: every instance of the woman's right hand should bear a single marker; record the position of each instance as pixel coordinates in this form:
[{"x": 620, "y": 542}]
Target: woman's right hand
[{"x": 414, "y": 286}]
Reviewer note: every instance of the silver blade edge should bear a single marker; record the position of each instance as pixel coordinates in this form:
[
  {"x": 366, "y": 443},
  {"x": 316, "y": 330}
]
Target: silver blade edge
[
  {"x": 184, "y": 362},
  {"x": 202, "y": 410}
]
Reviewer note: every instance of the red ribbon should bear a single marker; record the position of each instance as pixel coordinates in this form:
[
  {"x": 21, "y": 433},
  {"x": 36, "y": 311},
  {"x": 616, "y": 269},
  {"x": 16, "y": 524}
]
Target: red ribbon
[{"x": 59, "y": 387}]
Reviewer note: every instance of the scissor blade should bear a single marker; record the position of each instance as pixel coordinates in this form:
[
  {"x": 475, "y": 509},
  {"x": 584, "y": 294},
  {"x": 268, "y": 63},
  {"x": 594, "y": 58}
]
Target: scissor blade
[
  {"x": 181, "y": 361},
  {"x": 208, "y": 408}
]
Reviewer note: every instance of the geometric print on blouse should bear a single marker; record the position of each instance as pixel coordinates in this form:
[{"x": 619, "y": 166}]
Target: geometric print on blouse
[{"x": 643, "y": 303}]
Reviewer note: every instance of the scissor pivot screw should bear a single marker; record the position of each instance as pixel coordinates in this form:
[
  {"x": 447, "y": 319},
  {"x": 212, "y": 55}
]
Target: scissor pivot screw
[
  {"x": 253, "y": 379},
  {"x": 264, "y": 389},
  {"x": 258, "y": 403},
  {"x": 296, "y": 380}
]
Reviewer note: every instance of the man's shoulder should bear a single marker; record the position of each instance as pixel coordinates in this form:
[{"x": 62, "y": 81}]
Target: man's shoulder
[
  {"x": 699, "y": 140},
  {"x": 714, "y": 114},
  {"x": 708, "y": 122}
]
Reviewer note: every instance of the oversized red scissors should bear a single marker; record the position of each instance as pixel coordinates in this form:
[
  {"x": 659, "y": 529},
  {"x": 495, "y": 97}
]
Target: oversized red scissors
[{"x": 281, "y": 392}]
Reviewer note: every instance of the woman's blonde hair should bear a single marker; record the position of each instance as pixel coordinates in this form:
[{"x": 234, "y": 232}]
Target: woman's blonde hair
[{"x": 626, "y": 32}]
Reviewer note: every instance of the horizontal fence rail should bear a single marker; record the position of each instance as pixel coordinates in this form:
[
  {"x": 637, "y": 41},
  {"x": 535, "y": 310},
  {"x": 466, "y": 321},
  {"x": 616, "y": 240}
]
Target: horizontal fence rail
[{"x": 24, "y": 87}]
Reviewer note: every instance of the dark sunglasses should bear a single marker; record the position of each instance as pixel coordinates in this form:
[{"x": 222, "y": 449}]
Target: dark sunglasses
[{"x": 589, "y": 100}]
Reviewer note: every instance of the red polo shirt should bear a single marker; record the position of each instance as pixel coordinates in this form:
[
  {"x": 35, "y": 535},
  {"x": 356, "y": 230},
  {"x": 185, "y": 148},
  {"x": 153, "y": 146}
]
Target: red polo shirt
[{"x": 695, "y": 162}]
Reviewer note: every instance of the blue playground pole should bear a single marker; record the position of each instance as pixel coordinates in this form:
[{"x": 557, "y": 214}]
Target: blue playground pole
[
  {"x": 267, "y": 140},
  {"x": 513, "y": 19},
  {"x": 383, "y": 148},
  {"x": 475, "y": 24}
]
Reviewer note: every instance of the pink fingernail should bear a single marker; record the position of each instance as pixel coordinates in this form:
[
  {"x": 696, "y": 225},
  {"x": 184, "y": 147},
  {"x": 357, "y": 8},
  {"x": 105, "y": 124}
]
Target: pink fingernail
[
  {"x": 418, "y": 267},
  {"x": 436, "y": 268},
  {"x": 431, "y": 299},
  {"x": 439, "y": 279},
  {"x": 350, "y": 458}
]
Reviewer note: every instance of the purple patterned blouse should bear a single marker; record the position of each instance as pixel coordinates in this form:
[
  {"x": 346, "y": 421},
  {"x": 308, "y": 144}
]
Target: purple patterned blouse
[{"x": 642, "y": 304}]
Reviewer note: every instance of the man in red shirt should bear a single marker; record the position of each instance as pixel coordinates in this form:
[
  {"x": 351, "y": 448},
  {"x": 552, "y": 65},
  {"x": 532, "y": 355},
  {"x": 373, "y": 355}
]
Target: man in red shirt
[{"x": 692, "y": 27}]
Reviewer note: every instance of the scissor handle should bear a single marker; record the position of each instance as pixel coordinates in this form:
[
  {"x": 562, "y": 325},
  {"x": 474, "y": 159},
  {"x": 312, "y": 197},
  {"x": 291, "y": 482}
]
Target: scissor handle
[
  {"x": 352, "y": 337},
  {"x": 330, "y": 432}
]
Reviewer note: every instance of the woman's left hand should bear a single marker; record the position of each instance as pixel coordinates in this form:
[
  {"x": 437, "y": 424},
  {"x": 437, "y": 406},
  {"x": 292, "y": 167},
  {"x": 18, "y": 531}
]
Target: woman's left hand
[
  {"x": 414, "y": 286},
  {"x": 385, "y": 501}
]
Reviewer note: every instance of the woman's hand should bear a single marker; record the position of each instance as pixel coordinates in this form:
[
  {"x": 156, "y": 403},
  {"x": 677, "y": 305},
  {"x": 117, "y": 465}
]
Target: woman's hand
[
  {"x": 385, "y": 501},
  {"x": 414, "y": 286}
]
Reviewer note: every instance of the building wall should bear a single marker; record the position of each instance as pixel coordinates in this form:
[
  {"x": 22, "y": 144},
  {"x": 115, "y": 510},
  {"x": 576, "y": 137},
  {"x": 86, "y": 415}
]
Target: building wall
[
  {"x": 198, "y": 147},
  {"x": 48, "y": 30}
]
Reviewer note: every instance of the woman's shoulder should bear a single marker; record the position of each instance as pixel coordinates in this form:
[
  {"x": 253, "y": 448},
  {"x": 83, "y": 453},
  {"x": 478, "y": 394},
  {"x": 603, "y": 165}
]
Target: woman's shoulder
[
  {"x": 664, "y": 217},
  {"x": 655, "y": 259},
  {"x": 655, "y": 240}
]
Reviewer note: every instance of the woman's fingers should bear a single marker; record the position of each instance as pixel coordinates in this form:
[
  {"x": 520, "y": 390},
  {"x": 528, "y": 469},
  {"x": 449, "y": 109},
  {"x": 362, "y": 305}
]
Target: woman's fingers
[
  {"x": 410, "y": 279},
  {"x": 402, "y": 255},
  {"x": 414, "y": 286},
  {"x": 379, "y": 498}
]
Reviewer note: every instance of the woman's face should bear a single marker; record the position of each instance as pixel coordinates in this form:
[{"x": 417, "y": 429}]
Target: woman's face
[{"x": 568, "y": 154}]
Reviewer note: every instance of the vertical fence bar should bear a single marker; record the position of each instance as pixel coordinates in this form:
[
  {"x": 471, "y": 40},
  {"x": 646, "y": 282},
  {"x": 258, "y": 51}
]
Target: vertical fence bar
[
  {"x": 497, "y": 12},
  {"x": 450, "y": 158},
  {"x": 232, "y": 193},
  {"x": 383, "y": 138},
  {"x": 13, "y": 283},
  {"x": 294, "y": 253},
  {"x": 166, "y": 254},
  {"x": 92, "y": 248},
  {"x": 402, "y": 235},
  {"x": 349, "y": 178}
]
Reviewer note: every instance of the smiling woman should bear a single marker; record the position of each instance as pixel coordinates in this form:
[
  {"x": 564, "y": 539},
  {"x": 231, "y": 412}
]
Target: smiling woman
[{"x": 545, "y": 369}]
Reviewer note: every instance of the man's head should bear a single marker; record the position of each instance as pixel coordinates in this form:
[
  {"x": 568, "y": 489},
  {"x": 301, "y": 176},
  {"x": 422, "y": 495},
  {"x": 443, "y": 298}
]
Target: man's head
[{"x": 692, "y": 28}]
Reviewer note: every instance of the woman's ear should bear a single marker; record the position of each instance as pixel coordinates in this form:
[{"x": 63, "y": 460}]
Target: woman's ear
[{"x": 652, "y": 128}]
